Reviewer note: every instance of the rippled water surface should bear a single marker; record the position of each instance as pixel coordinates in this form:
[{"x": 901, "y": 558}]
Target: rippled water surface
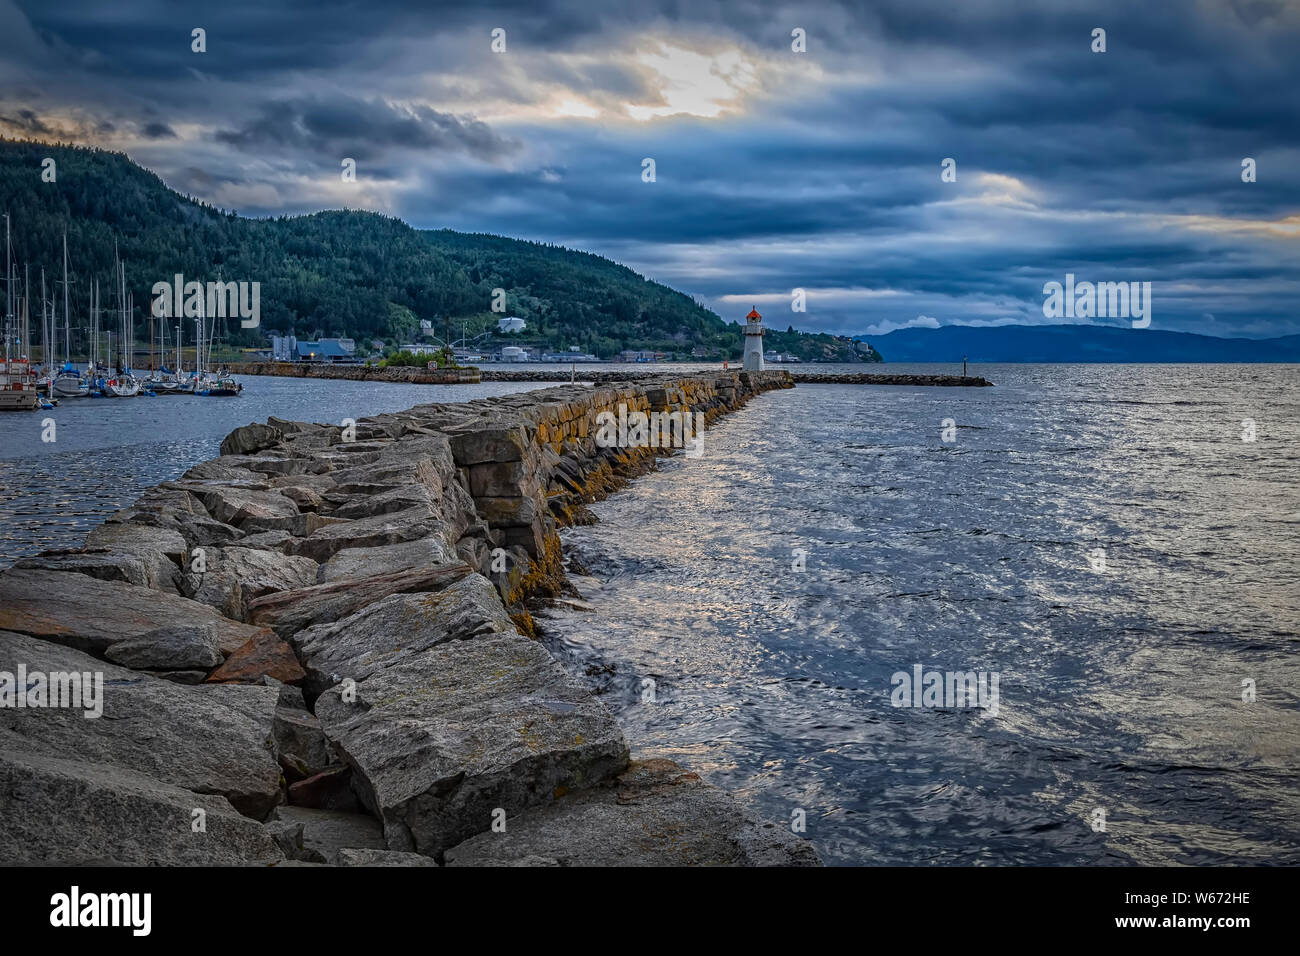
[
  {"x": 1120, "y": 690},
  {"x": 108, "y": 451}
]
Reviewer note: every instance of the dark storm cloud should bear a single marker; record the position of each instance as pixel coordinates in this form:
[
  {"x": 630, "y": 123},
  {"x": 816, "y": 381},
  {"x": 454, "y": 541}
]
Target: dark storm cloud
[
  {"x": 26, "y": 121},
  {"x": 362, "y": 129},
  {"x": 1124, "y": 165}
]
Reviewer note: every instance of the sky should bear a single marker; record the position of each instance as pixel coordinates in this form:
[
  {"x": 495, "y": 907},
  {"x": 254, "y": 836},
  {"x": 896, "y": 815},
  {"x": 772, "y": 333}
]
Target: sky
[{"x": 775, "y": 168}]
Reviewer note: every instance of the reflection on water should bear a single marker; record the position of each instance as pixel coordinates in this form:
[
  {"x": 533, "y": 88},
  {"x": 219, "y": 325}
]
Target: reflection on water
[
  {"x": 108, "y": 451},
  {"x": 1121, "y": 689}
]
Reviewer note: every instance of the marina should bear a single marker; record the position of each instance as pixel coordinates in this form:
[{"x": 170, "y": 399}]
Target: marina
[{"x": 107, "y": 371}]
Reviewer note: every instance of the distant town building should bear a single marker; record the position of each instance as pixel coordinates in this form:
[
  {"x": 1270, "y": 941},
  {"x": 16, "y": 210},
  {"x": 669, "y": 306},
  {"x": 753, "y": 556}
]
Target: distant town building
[
  {"x": 420, "y": 348},
  {"x": 284, "y": 348},
  {"x": 639, "y": 355},
  {"x": 511, "y": 323},
  {"x": 287, "y": 348},
  {"x": 326, "y": 350},
  {"x": 573, "y": 355}
]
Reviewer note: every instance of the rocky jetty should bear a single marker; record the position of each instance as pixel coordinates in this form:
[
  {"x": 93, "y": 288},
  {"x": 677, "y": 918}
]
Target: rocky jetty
[
  {"x": 867, "y": 378},
  {"x": 364, "y": 373},
  {"x": 587, "y": 373},
  {"x": 316, "y": 649}
]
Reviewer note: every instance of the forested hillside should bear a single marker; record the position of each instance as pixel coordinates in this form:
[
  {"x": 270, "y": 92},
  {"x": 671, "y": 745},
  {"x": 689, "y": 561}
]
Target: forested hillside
[{"x": 341, "y": 273}]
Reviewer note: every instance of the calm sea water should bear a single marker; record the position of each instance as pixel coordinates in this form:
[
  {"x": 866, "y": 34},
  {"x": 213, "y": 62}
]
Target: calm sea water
[{"x": 1120, "y": 689}]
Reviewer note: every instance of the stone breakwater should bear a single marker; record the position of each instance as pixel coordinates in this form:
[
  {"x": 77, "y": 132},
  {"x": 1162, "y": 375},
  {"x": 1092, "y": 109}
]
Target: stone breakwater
[
  {"x": 314, "y": 650},
  {"x": 363, "y": 373},
  {"x": 864, "y": 378},
  {"x": 564, "y": 373},
  {"x": 589, "y": 374}
]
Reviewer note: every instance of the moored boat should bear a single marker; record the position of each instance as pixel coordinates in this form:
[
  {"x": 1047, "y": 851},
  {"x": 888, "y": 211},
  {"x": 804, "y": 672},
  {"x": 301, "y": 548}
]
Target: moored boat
[
  {"x": 165, "y": 382},
  {"x": 69, "y": 383},
  {"x": 218, "y": 386},
  {"x": 18, "y": 386},
  {"x": 121, "y": 386}
]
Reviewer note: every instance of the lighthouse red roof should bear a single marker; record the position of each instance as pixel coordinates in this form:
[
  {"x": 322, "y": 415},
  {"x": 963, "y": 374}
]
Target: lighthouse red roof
[{"x": 753, "y": 314}]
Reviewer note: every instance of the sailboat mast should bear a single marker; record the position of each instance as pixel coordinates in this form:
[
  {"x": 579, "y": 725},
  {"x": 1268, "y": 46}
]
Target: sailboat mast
[
  {"x": 9, "y": 294},
  {"x": 121, "y": 298},
  {"x": 45, "y": 326},
  {"x": 67, "y": 320}
]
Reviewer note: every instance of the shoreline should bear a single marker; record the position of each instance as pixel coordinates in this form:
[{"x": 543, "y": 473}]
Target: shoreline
[
  {"x": 360, "y": 598},
  {"x": 471, "y": 375}
]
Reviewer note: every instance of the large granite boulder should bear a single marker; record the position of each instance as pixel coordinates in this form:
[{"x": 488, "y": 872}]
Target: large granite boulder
[
  {"x": 290, "y": 611},
  {"x": 397, "y": 628},
  {"x": 133, "y": 537},
  {"x": 212, "y": 739},
  {"x": 441, "y": 739},
  {"x": 473, "y": 443},
  {"x": 258, "y": 508},
  {"x": 655, "y": 814},
  {"x": 146, "y": 569},
  {"x": 263, "y": 656},
  {"x": 236, "y": 575},
  {"x": 191, "y": 647},
  {"x": 386, "y": 559},
  {"x": 250, "y": 439},
  {"x": 92, "y": 615},
  {"x": 390, "y": 528},
  {"x": 61, "y": 811},
  {"x": 159, "y": 550},
  {"x": 401, "y": 498}
]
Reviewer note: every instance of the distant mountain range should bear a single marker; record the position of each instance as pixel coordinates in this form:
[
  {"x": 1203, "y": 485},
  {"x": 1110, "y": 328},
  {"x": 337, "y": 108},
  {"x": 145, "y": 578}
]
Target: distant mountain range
[{"x": 1074, "y": 343}]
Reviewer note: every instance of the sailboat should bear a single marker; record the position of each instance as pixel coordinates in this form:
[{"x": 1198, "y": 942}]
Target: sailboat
[
  {"x": 68, "y": 381},
  {"x": 211, "y": 384},
  {"x": 45, "y": 379},
  {"x": 165, "y": 382},
  {"x": 123, "y": 384},
  {"x": 220, "y": 384}
]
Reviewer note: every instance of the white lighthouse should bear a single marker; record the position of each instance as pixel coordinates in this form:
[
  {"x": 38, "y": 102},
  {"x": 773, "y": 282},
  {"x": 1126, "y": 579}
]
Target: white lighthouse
[{"x": 754, "y": 341}]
